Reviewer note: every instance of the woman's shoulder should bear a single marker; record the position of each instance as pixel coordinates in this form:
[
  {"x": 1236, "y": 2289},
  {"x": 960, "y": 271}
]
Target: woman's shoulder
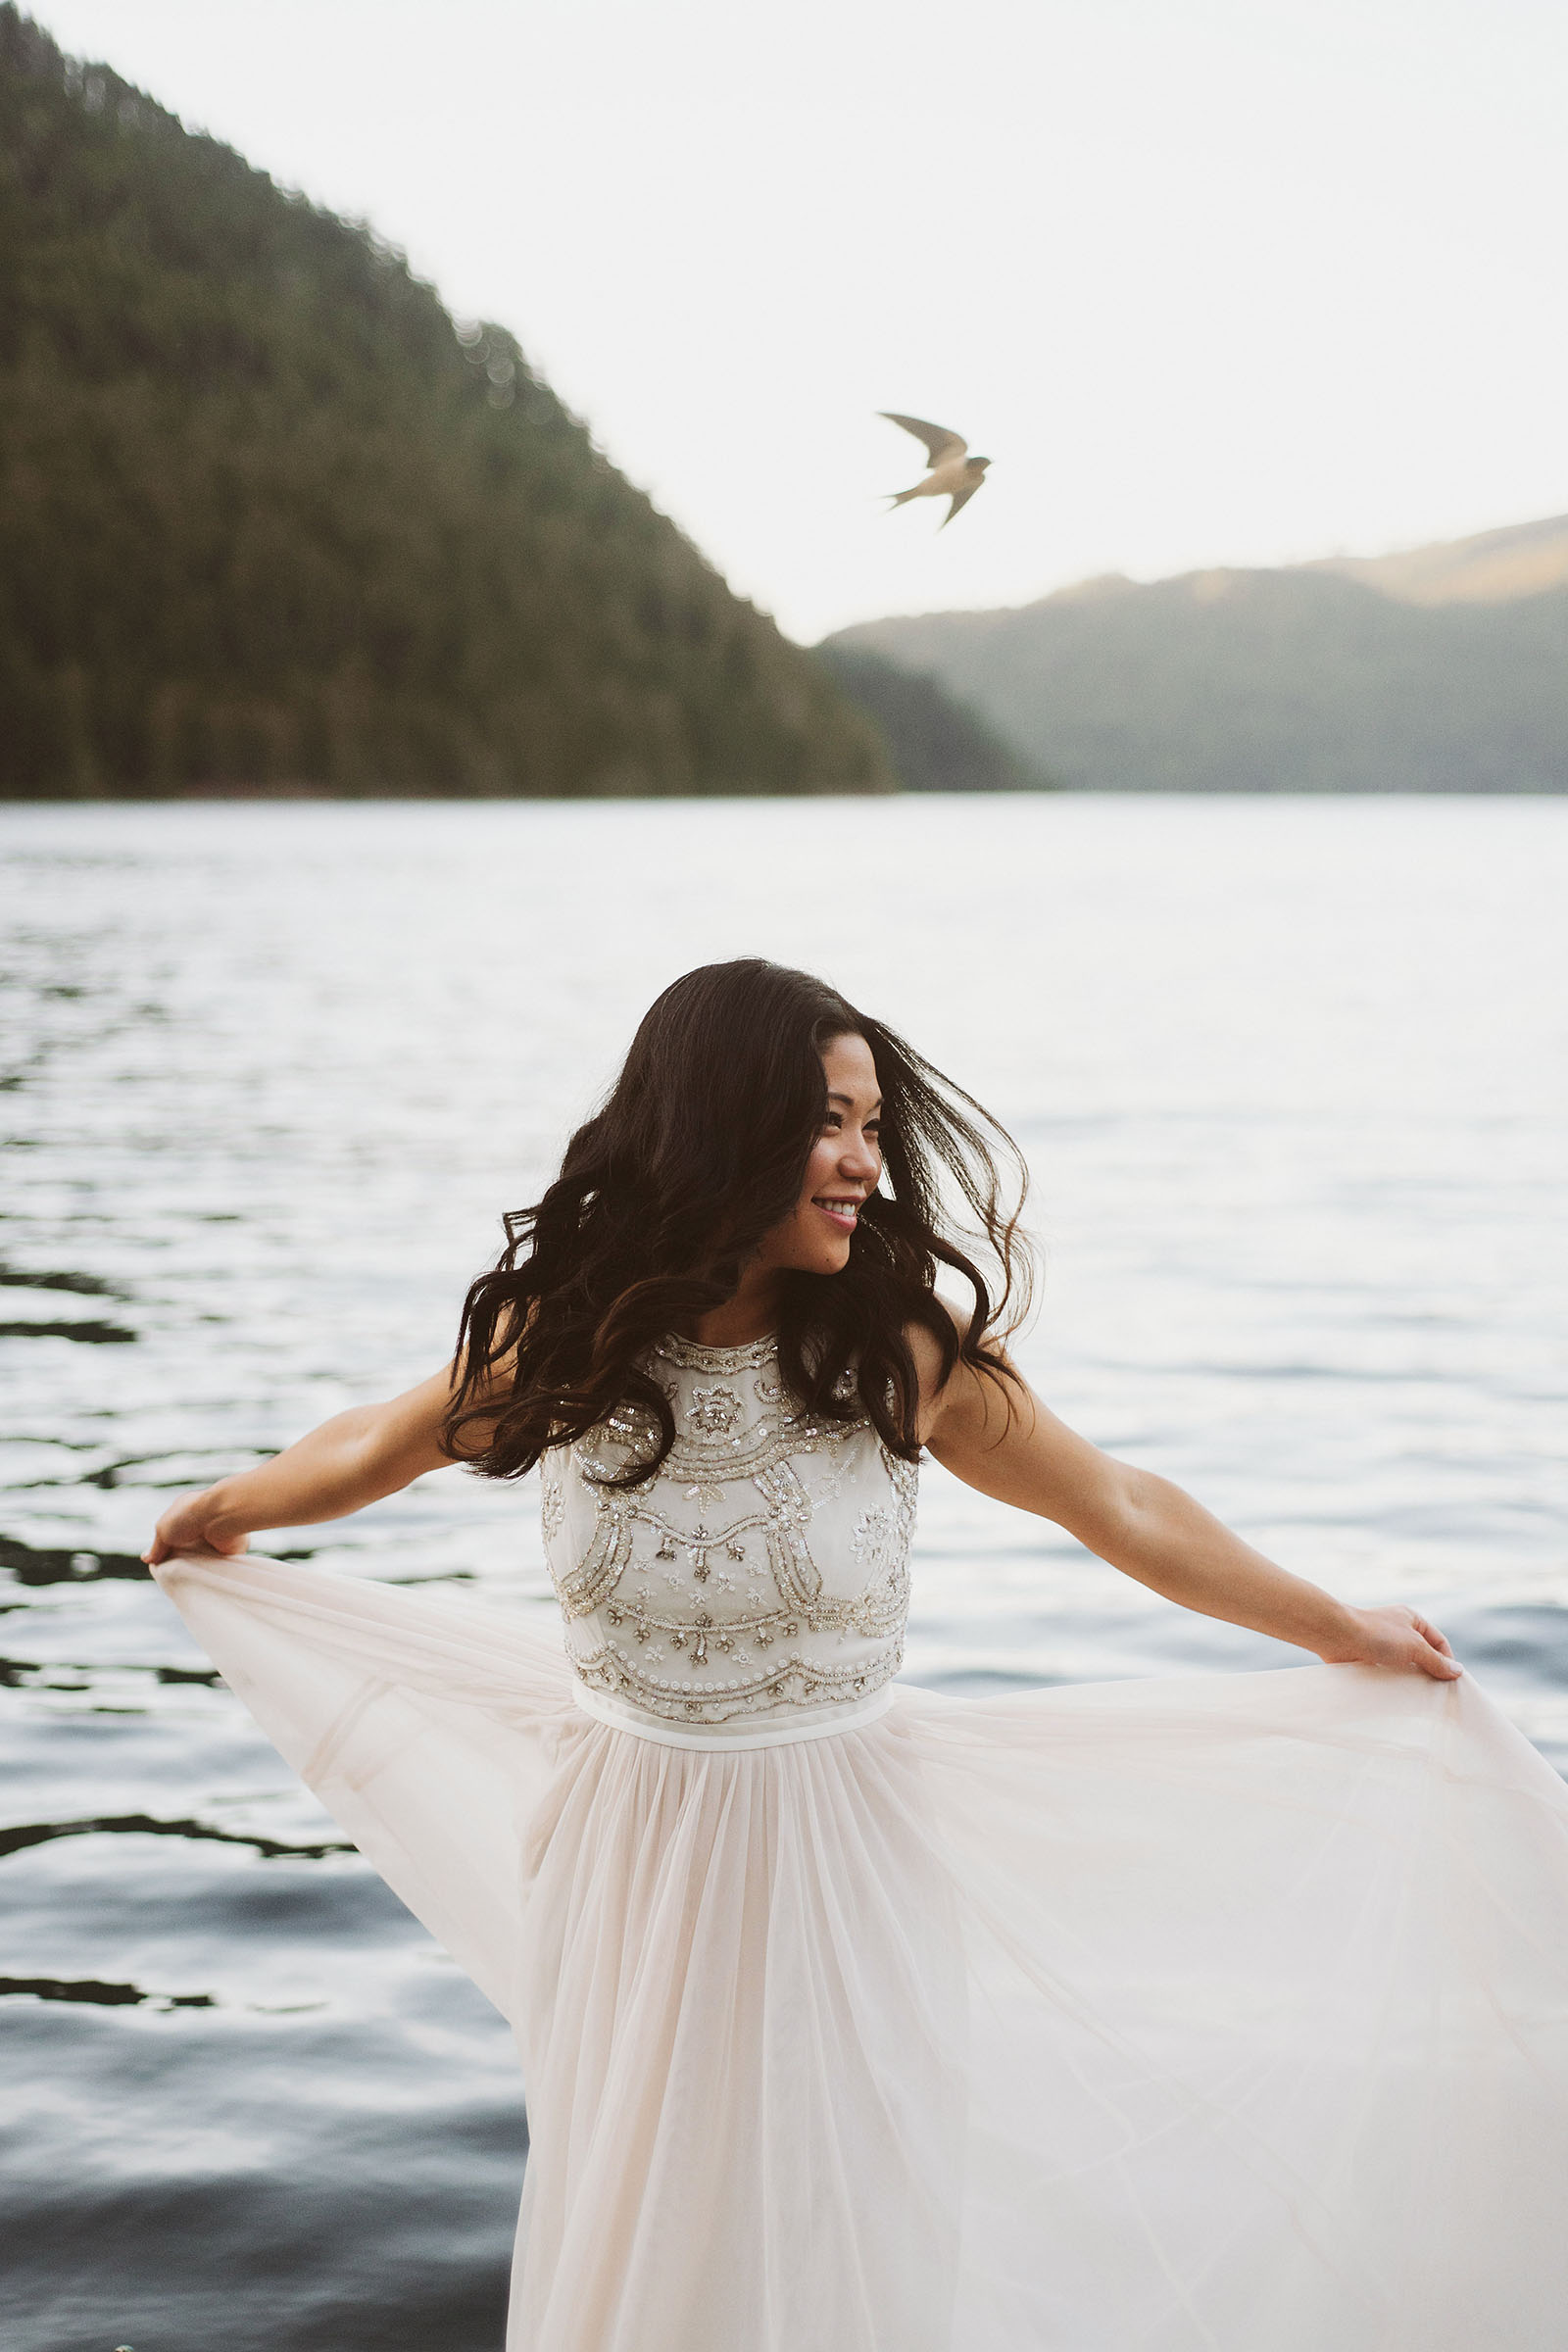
[
  {"x": 946, "y": 1387},
  {"x": 927, "y": 1350}
]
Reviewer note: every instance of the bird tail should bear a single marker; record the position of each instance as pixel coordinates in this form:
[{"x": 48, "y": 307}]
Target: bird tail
[{"x": 898, "y": 497}]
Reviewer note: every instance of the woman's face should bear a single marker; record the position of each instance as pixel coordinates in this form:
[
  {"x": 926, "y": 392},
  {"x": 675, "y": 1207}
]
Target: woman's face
[{"x": 845, "y": 1165}]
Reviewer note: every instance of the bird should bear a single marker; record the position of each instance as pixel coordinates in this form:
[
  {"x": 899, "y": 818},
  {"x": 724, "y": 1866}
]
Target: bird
[{"x": 953, "y": 474}]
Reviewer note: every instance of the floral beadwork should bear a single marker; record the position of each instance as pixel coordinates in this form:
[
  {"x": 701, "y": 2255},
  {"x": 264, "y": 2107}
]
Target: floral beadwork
[{"x": 713, "y": 1413}]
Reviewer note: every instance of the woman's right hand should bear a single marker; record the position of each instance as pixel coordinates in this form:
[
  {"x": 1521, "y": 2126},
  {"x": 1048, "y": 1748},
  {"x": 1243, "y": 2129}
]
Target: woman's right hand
[
  {"x": 354, "y": 1458},
  {"x": 200, "y": 1527}
]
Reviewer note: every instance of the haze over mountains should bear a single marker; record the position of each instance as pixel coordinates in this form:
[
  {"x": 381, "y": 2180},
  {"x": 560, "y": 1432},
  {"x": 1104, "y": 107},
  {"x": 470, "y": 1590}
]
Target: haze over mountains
[
  {"x": 1442, "y": 669},
  {"x": 939, "y": 742}
]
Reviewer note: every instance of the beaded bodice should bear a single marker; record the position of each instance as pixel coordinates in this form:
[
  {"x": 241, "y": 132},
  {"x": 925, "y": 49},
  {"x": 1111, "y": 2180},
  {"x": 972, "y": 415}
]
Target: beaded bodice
[{"x": 761, "y": 1572}]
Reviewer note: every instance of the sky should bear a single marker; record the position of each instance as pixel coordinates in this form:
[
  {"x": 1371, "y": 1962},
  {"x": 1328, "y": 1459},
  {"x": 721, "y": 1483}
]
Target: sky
[{"x": 1210, "y": 281}]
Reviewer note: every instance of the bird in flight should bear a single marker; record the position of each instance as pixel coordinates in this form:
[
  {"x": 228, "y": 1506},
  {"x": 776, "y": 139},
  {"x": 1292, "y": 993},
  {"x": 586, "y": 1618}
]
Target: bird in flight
[{"x": 953, "y": 474}]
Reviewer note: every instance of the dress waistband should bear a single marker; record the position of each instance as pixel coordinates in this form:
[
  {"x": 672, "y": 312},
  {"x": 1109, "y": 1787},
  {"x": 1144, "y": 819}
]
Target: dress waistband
[{"x": 849, "y": 1717}]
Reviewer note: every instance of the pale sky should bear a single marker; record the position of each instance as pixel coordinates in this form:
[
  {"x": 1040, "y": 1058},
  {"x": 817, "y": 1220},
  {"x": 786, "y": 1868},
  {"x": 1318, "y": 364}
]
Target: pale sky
[{"x": 1209, "y": 280}]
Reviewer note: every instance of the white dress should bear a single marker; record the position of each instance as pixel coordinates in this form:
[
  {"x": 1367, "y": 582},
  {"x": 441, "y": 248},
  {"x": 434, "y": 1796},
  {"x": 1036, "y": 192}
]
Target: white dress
[{"x": 1226, "y": 2013}]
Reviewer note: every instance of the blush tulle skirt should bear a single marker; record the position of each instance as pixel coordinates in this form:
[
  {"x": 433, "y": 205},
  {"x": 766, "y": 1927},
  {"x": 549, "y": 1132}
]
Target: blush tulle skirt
[{"x": 1226, "y": 2013}]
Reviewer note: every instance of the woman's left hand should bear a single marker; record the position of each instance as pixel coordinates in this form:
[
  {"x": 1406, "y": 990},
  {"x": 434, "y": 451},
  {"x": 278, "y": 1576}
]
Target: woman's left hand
[{"x": 1394, "y": 1636}]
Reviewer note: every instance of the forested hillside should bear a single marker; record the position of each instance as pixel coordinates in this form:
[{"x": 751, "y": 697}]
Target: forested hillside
[
  {"x": 1443, "y": 670},
  {"x": 269, "y": 519}
]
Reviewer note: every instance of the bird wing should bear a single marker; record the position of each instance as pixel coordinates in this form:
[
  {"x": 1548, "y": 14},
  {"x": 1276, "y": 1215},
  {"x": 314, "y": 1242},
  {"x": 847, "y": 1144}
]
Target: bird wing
[
  {"x": 940, "y": 443},
  {"x": 961, "y": 498}
]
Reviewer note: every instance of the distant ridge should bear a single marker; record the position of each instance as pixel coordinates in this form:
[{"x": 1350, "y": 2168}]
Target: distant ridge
[
  {"x": 269, "y": 520},
  {"x": 1494, "y": 568},
  {"x": 1440, "y": 670}
]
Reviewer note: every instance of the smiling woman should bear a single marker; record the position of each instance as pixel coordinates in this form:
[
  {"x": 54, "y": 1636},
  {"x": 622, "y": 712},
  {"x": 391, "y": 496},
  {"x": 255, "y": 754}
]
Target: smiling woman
[
  {"x": 735, "y": 1162},
  {"x": 1226, "y": 2011}
]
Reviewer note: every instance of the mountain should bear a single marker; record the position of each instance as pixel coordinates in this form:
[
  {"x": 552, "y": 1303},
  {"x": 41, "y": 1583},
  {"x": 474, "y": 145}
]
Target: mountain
[
  {"x": 1440, "y": 670},
  {"x": 938, "y": 743},
  {"x": 269, "y": 519}
]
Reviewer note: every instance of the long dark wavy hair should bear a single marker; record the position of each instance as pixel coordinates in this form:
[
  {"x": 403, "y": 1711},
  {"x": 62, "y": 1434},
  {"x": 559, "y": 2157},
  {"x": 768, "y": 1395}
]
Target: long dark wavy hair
[{"x": 700, "y": 1148}]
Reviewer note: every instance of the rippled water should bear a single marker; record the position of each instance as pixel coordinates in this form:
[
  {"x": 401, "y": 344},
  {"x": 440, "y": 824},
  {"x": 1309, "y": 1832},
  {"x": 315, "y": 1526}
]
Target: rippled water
[{"x": 1293, "y": 1077}]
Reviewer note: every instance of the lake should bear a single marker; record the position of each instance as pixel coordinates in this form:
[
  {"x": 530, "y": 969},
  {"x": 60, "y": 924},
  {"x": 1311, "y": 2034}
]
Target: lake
[{"x": 1293, "y": 1079}]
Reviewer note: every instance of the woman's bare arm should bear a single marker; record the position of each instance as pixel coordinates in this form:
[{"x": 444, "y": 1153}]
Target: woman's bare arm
[
  {"x": 354, "y": 1458},
  {"x": 1005, "y": 1443}
]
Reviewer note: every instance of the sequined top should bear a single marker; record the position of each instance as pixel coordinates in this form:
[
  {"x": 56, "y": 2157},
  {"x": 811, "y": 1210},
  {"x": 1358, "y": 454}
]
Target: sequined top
[{"x": 763, "y": 1570}]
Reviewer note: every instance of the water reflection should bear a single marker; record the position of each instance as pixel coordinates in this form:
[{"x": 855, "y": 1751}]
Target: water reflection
[{"x": 99, "y": 1995}]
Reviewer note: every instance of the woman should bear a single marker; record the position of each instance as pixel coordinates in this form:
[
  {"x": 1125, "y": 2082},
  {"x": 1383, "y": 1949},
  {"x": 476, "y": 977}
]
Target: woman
[{"x": 1225, "y": 2011}]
